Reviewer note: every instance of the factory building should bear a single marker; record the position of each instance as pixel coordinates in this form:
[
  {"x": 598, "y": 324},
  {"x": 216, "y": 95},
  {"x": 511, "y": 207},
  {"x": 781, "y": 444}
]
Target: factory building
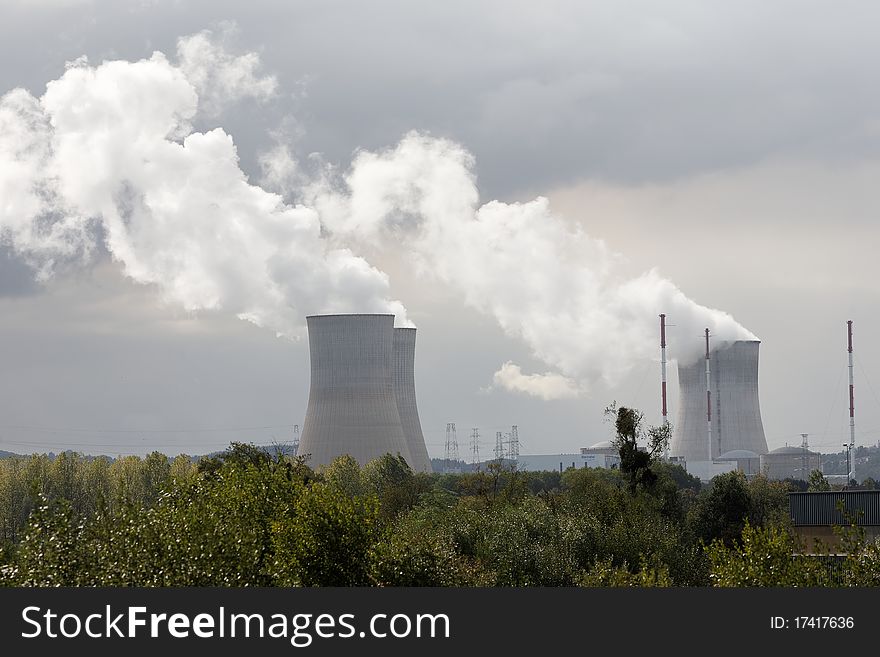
[
  {"x": 814, "y": 516},
  {"x": 605, "y": 447},
  {"x": 357, "y": 378},
  {"x": 734, "y": 423},
  {"x": 746, "y": 462},
  {"x": 600, "y": 455}
]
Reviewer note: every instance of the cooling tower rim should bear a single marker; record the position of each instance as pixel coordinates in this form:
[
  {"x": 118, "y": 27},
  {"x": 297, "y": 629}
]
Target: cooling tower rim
[
  {"x": 350, "y": 315},
  {"x": 724, "y": 345}
]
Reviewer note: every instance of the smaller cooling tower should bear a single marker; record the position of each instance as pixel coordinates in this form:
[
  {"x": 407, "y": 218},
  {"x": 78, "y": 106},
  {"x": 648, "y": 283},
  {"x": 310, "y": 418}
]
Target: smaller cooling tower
[
  {"x": 404, "y": 357},
  {"x": 352, "y": 407},
  {"x": 736, "y": 412}
]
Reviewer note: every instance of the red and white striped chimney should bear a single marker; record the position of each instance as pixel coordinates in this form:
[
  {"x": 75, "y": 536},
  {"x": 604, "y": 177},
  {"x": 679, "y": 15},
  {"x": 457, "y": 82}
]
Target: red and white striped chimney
[{"x": 852, "y": 406}]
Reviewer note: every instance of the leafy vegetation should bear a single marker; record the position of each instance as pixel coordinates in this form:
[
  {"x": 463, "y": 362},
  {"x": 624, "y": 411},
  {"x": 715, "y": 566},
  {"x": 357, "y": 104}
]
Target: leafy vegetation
[{"x": 250, "y": 518}]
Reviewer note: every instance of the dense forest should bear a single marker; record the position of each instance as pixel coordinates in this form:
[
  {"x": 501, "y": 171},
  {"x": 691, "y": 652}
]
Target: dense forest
[{"x": 247, "y": 517}]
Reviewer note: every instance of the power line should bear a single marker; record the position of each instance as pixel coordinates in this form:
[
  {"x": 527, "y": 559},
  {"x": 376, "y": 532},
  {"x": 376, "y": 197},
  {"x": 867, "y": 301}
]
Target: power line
[
  {"x": 833, "y": 402},
  {"x": 867, "y": 380}
]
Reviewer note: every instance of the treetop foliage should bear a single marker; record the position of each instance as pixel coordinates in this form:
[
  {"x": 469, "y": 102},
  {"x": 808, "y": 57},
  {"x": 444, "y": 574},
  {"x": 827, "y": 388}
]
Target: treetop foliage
[{"x": 247, "y": 517}]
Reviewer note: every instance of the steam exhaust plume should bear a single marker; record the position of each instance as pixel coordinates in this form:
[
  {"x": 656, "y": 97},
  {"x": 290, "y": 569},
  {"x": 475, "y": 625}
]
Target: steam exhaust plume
[
  {"x": 107, "y": 158},
  {"x": 544, "y": 280}
]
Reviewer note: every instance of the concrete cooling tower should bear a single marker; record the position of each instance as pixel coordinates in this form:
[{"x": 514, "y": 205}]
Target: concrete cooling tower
[
  {"x": 404, "y": 357},
  {"x": 353, "y": 396},
  {"x": 736, "y": 413}
]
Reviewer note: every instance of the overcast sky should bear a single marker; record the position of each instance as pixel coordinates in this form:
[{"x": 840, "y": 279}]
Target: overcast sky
[{"x": 731, "y": 146}]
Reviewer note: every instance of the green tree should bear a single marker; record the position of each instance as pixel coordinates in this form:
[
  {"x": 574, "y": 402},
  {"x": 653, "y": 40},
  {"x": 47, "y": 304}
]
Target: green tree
[
  {"x": 51, "y": 552},
  {"x": 421, "y": 550},
  {"x": 183, "y": 471},
  {"x": 768, "y": 501},
  {"x": 818, "y": 482},
  {"x": 765, "y": 556},
  {"x": 325, "y": 539},
  {"x": 723, "y": 511},
  {"x": 14, "y": 499},
  {"x": 344, "y": 474},
  {"x": 605, "y": 574},
  {"x": 636, "y": 462},
  {"x": 393, "y": 483}
]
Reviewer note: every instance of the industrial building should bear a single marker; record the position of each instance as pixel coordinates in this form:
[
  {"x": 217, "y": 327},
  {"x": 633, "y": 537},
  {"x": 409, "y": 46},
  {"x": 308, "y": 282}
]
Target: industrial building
[
  {"x": 815, "y": 514},
  {"x": 790, "y": 463},
  {"x": 727, "y": 419},
  {"x": 357, "y": 380},
  {"x": 746, "y": 462},
  {"x": 601, "y": 455},
  {"x": 605, "y": 447}
]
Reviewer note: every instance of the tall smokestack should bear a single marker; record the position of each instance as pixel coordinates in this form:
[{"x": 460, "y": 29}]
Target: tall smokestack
[
  {"x": 852, "y": 405},
  {"x": 735, "y": 408},
  {"x": 708, "y": 401},
  {"x": 352, "y": 407},
  {"x": 663, "y": 367},
  {"x": 404, "y": 356},
  {"x": 663, "y": 375}
]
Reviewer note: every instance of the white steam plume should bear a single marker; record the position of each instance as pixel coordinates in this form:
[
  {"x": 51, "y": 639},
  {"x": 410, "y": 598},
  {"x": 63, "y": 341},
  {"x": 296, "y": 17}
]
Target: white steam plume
[
  {"x": 108, "y": 156},
  {"x": 544, "y": 280},
  {"x": 107, "y": 153},
  {"x": 546, "y": 386}
]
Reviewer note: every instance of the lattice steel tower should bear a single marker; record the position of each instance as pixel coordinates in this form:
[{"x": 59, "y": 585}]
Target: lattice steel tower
[{"x": 450, "y": 461}]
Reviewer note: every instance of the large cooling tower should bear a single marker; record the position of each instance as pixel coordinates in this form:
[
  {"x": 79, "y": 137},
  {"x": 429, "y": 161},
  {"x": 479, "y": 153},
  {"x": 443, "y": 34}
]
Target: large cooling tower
[
  {"x": 736, "y": 413},
  {"x": 405, "y": 394},
  {"x": 352, "y": 408}
]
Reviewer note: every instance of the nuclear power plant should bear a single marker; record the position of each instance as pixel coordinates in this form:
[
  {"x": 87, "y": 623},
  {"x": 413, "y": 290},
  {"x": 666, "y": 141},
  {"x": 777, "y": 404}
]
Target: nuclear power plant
[
  {"x": 718, "y": 410},
  {"x": 362, "y": 402},
  {"x": 362, "y": 398}
]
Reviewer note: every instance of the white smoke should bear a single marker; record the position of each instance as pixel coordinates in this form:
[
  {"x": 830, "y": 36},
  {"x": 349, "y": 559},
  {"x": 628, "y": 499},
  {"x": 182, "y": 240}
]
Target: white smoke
[
  {"x": 107, "y": 155},
  {"x": 545, "y": 280},
  {"x": 107, "y": 158},
  {"x": 546, "y": 386}
]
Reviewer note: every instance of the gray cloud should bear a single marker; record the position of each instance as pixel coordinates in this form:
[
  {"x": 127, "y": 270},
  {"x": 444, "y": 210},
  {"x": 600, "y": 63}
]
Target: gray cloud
[
  {"x": 16, "y": 278},
  {"x": 543, "y": 94},
  {"x": 621, "y": 113}
]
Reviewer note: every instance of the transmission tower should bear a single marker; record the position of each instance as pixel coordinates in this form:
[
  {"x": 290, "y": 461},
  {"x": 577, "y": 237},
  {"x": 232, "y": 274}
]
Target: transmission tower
[
  {"x": 475, "y": 447},
  {"x": 499, "y": 446},
  {"x": 451, "y": 457},
  {"x": 514, "y": 444},
  {"x": 295, "y": 445}
]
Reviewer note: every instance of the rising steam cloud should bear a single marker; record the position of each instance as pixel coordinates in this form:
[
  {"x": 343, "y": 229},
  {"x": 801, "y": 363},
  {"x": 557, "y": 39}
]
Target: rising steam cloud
[
  {"x": 543, "y": 279},
  {"x": 107, "y": 158}
]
